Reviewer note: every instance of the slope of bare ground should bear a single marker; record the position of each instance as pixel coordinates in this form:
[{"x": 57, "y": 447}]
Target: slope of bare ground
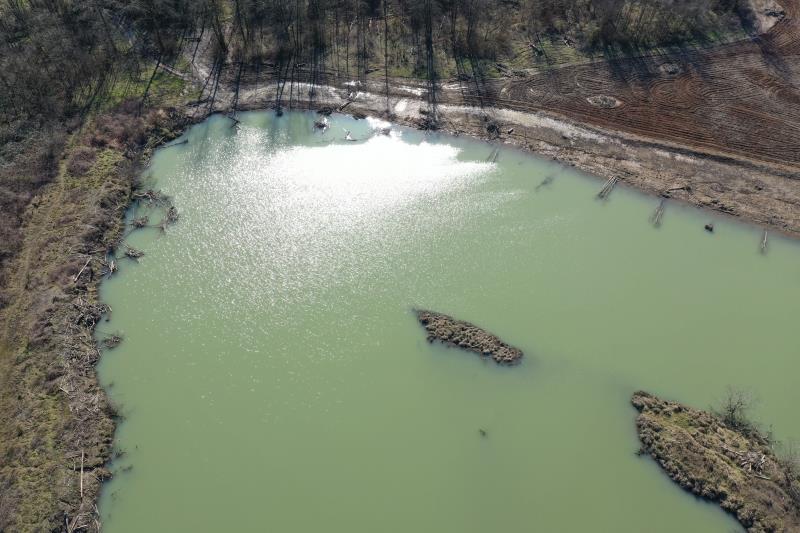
[{"x": 721, "y": 464}]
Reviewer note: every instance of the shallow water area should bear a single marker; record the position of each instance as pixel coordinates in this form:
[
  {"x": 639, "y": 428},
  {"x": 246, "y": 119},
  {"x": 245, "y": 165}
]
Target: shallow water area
[{"x": 274, "y": 377}]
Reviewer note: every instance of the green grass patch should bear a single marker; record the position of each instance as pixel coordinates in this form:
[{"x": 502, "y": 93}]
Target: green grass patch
[{"x": 166, "y": 88}]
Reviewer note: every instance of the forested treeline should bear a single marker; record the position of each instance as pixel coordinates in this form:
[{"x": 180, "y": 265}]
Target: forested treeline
[
  {"x": 431, "y": 39},
  {"x": 59, "y": 61},
  {"x": 59, "y": 56}
]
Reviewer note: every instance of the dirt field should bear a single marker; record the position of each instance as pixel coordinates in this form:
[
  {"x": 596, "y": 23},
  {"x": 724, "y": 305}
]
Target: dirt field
[{"x": 740, "y": 99}]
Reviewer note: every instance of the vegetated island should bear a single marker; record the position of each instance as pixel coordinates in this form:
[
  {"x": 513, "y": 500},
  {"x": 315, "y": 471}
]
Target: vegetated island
[
  {"x": 721, "y": 458},
  {"x": 468, "y": 336}
]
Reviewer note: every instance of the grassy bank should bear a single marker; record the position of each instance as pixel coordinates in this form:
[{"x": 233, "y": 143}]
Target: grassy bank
[{"x": 58, "y": 424}]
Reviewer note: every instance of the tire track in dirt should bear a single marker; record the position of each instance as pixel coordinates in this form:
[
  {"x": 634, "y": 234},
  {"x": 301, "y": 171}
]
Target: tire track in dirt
[{"x": 741, "y": 98}]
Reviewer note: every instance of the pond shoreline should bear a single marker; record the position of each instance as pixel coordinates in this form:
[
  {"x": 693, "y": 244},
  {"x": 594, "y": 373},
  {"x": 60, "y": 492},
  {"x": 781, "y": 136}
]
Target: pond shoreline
[
  {"x": 571, "y": 144},
  {"x": 560, "y": 140},
  {"x": 226, "y": 122},
  {"x": 763, "y": 194},
  {"x": 60, "y": 423}
]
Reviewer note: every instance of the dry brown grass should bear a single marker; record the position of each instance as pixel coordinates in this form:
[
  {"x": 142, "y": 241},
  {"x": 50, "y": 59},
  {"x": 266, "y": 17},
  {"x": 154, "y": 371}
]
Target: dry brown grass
[
  {"x": 732, "y": 466},
  {"x": 52, "y": 407},
  {"x": 81, "y": 160}
]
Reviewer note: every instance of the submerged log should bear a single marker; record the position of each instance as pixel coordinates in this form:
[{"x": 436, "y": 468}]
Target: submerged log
[
  {"x": 172, "y": 215},
  {"x": 468, "y": 336},
  {"x": 133, "y": 253},
  {"x": 179, "y": 143},
  {"x": 655, "y": 219},
  {"x": 112, "y": 341},
  {"x": 735, "y": 468},
  {"x": 607, "y": 188},
  {"x": 140, "y": 222},
  {"x": 151, "y": 197},
  {"x": 544, "y": 183}
]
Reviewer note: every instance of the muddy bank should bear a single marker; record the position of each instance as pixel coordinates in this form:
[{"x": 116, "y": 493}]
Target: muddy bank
[
  {"x": 733, "y": 183},
  {"x": 458, "y": 333},
  {"x": 737, "y": 469},
  {"x": 58, "y": 425},
  {"x": 756, "y": 192}
]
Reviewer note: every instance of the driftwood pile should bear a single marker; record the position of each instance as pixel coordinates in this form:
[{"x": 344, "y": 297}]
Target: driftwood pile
[
  {"x": 88, "y": 315},
  {"x": 752, "y": 462},
  {"x": 150, "y": 197},
  {"x": 170, "y": 218},
  {"x": 154, "y": 199},
  {"x": 109, "y": 266},
  {"x": 607, "y": 188}
]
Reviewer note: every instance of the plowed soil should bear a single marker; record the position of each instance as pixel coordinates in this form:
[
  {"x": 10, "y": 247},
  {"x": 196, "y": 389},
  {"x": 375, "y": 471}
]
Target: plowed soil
[{"x": 741, "y": 98}]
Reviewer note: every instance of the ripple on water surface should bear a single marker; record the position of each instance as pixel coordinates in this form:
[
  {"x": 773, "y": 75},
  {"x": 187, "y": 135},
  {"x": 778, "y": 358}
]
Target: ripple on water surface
[{"x": 274, "y": 377}]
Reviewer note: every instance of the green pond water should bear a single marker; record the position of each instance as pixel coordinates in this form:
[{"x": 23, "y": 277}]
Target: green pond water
[{"x": 274, "y": 378}]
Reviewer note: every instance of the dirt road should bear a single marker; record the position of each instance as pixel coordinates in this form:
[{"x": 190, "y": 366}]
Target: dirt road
[{"x": 718, "y": 128}]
